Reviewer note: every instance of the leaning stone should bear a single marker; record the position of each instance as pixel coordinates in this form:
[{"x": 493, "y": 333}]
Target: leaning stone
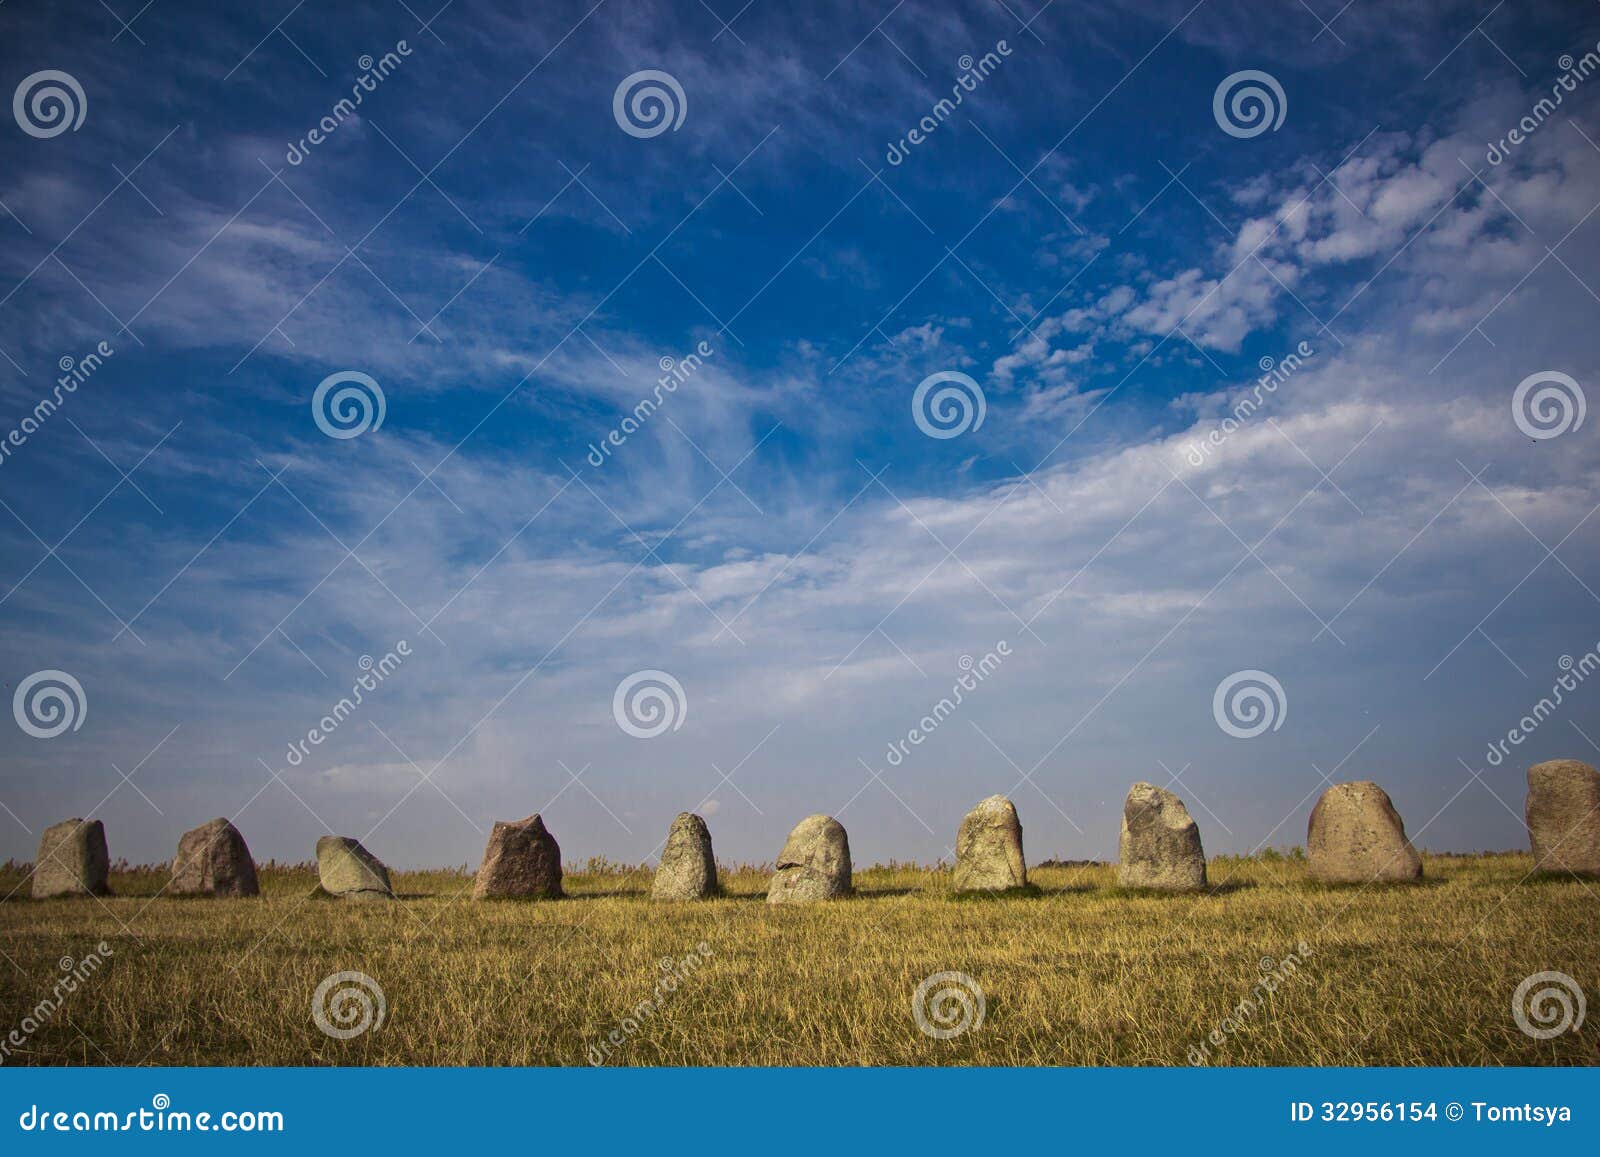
[
  {"x": 1563, "y": 812},
  {"x": 522, "y": 861},
  {"x": 1356, "y": 837},
  {"x": 814, "y": 864},
  {"x": 687, "y": 871},
  {"x": 72, "y": 860},
  {"x": 213, "y": 860},
  {"x": 1160, "y": 844},
  {"x": 989, "y": 849},
  {"x": 351, "y": 872}
]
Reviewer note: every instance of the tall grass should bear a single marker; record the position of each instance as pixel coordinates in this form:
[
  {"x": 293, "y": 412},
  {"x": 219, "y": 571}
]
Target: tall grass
[{"x": 1082, "y": 973}]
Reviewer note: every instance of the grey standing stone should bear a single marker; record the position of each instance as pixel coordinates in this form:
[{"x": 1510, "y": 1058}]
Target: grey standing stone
[
  {"x": 989, "y": 849},
  {"x": 72, "y": 860},
  {"x": 521, "y": 862},
  {"x": 688, "y": 870},
  {"x": 1356, "y": 837},
  {"x": 213, "y": 860},
  {"x": 1160, "y": 845},
  {"x": 814, "y": 864},
  {"x": 349, "y": 871},
  {"x": 1563, "y": 813}
]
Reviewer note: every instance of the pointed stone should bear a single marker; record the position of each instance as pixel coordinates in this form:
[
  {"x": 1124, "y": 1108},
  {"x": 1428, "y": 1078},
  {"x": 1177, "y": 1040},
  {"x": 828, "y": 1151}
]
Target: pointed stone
[
  {"x": 213, "y": 860},
  {"x": 1356, "y": 837},
  {"x": 349, "y": 871},
  {"x": 814, "y": 864},
  {"x": 989, "y": 849},
  {"x": 1563, "y": 813},
  {"x": 687, "y": 871},
  {"x": 72, "y": 860},
  {"x": 1160, "y": 844},
  {"x": 521, "y": 862}
]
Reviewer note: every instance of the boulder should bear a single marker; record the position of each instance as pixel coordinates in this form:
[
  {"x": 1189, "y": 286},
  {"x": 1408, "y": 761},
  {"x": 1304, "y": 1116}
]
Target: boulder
[
  {"x": 72, "y": 860},
  {"x": 687, "y": 871},
  {"x": 814, "y": 864},
  {"x": 351, "y": 872},
  {"x": 522, "y": 861},
  {"x": 1160, "y": 844},
  {"x": 1356, "y": 837},
  {"x": 989, "y": 849},
  {"x": 213, "y": 860},
  {"x": 1563, "y": 813}
]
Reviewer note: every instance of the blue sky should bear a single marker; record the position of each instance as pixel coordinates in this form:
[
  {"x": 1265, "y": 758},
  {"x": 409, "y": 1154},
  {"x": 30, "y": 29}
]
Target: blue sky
[{"x": 1080, "y": 237}]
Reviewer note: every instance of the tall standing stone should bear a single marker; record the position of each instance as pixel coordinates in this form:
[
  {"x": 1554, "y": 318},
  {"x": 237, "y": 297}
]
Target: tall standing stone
[
  {"x": 72, "y": 860},
  {"x": 1356, "y": 837},
  {"x": 688, "y": 870},
  {"x": 349, "y": 871},
  {"x": 521, "y": 862},
  {"x": 989, "y": 849},
  {"x": 1160, "y": 844},
  {"x": 1563, "y": 812},
  {"x": 814, "y": 864},
  {"x": 213, "y": 860}
]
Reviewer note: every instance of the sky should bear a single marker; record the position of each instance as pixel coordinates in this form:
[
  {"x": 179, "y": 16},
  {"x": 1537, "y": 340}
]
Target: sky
[{"x": 1272, "y": 381}]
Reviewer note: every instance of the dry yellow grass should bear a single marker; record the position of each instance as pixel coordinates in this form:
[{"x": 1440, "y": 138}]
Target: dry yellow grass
[{"x": 1081, "y": 974}]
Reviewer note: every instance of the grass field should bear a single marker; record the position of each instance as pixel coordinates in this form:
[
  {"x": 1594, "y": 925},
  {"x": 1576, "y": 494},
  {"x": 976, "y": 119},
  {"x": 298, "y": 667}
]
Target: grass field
[{"x": 1080, "y": 974}]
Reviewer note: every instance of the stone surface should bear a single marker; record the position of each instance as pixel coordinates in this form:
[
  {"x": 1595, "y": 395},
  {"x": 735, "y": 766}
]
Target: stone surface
[
  {"x": 351, "y": 872},
  {"x": 1356, "y": 837},
  {"x": 1563, "y": 812},
  {"x": 989, "y": 849},
  {"x": 687, "y": 871},
  {"x": 814, "y": 864},
  {"x": 1160, "y": 844},
  {"x": 72, "y": 860},
  {"x": 521, "y": 862},
  {"x": 213, "y": 860}
]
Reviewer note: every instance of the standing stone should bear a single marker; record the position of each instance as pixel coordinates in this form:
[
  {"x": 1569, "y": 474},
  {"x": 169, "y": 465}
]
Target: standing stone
[
  {"x": 814, "y": 864},
  {"x": 1160, "y": 844},
  {"x": 1356, "y": 837},
  {"x": 687, "y": 871},
  {"x": 72, "y": 860},
  {"x": 989, "y": 849},
  {"x": 1563, "y": 813},
  {"x": 522, "y": 861},
  {"x": 351, "y": 872},
  {"x": 213, "y": 860}
]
